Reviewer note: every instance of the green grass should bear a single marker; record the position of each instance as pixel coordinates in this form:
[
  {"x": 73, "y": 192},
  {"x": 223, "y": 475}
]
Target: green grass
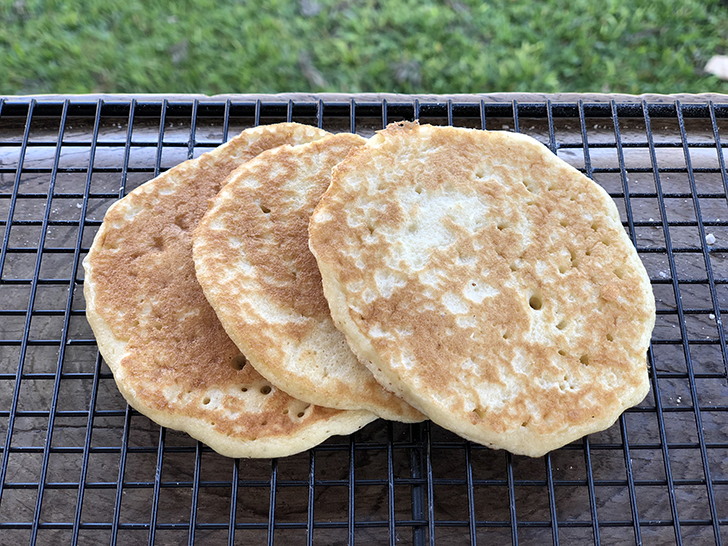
[{"x": 222, "y": 46}]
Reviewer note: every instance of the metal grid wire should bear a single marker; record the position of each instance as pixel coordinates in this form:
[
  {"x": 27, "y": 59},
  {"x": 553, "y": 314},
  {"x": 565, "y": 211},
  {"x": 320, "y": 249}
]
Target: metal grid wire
[{"x": 79, "y": 466}]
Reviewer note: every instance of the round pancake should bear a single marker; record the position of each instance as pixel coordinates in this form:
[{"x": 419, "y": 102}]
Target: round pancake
[
  {"x": 252, "y": 259},
  {"x": 487, "y": 282},
  {"x": 169, "y": 354}
]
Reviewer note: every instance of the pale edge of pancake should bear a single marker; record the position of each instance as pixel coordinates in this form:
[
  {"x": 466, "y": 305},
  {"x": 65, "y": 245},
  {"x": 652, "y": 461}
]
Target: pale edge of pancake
[
  {"x": 378, "y": 400},
  {"x": 114, "y": 350},
  {"x": 519, "y": 441}
]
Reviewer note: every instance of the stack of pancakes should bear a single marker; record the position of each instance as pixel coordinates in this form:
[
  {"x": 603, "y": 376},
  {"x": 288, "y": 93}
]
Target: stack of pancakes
[{"x": 293, "y": 284}]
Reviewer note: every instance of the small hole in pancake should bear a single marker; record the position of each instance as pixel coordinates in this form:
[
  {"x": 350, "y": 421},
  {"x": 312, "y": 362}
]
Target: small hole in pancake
[
  {"x": 506, "y": 335},
  {"x": 584, "y": 360},
  {"x": 610, "y": 337},
  {"x": 514, "y": 267},
  {"x": 265, "y": 209},
  {"x": 479, "y": 413},
  {"x": 563, "y": 269},
  {"x": 574, "y": 261},
  {"x": 619, "y": 272},
  {"x": 285, "y": 412},
  {"x": 264, "y": 423},
  {"x": 371, "y": 229},
  {"x": 181, "y": 222},
  {"x": 595, "y": 227},
  {"x": 606, "y": 242},
  {"x": 588, "y": 252},
  {"x": 562, "y": 352},
  {"x": 524, "y": 424},
  {"x": 501, "y": 227},
  {"x": 473, "y": 284},
  {"x": 418, "y": 189},
  {"x": 536, "y": 302},
  {"x": 243, "y": 389},
  {"x": 572, "y": 198},
  {"x": 206, "y": 400},
  {"x": 300, "y": 414},
  {"x": 212, "y": 424},
  {"x": 564, "y": 222},
  {"x": 265, "y": 389},
  {"x": 238, "y": 363},
  {"x": 561, "y": 325}
]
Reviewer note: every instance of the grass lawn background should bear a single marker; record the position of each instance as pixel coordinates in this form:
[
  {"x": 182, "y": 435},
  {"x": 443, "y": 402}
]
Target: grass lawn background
[{"x": 405, "y": 46}]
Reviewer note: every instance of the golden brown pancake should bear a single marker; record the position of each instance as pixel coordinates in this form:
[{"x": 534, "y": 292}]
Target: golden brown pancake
[
  {"x": 252, "y": 259},
  {"x": 169, "y": 354},
  {"x": 487, "y": 282}
]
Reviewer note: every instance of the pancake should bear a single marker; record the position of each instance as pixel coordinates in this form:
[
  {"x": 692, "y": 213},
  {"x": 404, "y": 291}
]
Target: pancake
[
  {"x": 487, "y": 282},
  {"x": 252, "y": 259},
  {"x": 169, "y": 354}
]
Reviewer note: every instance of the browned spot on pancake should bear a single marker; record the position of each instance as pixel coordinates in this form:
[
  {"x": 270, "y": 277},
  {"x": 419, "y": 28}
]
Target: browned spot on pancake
[{"x": 609, "y": 292}]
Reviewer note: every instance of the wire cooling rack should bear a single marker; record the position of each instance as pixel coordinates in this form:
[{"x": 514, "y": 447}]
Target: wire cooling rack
[{"x": 79, "y": 466}]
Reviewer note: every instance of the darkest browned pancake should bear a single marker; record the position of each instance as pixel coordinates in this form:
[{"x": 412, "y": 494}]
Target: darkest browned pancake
[{"x": 169, "y": 354}]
